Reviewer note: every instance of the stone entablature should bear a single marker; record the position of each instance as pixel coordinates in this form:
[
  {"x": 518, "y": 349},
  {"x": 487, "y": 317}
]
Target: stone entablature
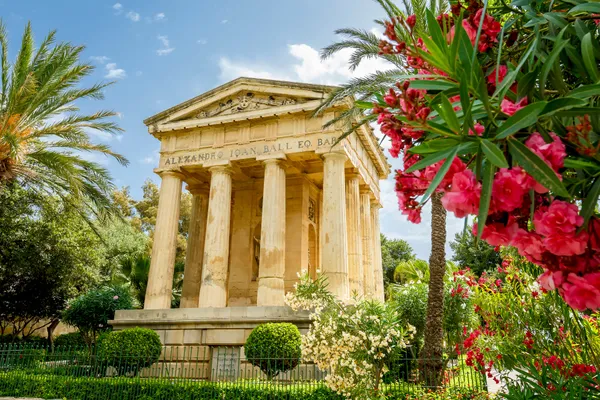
[{"x": 273, "y": 194}]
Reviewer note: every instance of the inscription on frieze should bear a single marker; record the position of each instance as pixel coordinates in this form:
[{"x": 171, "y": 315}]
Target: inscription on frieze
[{"x": 248, "y": 151}]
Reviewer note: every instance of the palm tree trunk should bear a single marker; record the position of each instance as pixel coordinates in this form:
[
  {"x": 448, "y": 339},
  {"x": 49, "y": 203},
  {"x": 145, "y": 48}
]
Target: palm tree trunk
[{"x": 432, "y": 365}]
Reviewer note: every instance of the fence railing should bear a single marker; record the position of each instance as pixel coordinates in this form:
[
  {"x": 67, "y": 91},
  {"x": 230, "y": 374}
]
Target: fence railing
[{"x": 215, "y": 371}]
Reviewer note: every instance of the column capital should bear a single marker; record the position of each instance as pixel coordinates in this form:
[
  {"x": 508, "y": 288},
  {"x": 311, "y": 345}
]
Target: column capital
[
  {"x": 224, "y": 169},
  {"x": 168, "y": 172},
  {"x": 335, "y": 155},
  {"x": 271, "y": 157},
  {"x": 376, "y": 206},
  {"x": 352, "y": 175},
  {"x": 364, "y": 189}
]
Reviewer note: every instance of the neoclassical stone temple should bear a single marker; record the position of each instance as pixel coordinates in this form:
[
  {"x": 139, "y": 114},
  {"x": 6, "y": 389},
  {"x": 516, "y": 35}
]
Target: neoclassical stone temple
[{"x": 273, "y": 195}]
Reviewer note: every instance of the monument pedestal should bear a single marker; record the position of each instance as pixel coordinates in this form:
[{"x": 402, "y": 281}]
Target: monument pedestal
[{"x": 206, "y": 343}]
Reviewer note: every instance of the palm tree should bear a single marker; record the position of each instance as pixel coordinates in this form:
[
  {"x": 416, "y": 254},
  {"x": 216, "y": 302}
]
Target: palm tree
[
  {"x": 42, "y": 135},
  {"x": 366, "y": 45},
  {"x": 411, "y": 271}
]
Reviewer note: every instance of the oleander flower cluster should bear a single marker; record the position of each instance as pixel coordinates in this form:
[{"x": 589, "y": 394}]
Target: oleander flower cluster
[
  {"x": 349, "y": 340},
  {"x": 525, "y": 162}
]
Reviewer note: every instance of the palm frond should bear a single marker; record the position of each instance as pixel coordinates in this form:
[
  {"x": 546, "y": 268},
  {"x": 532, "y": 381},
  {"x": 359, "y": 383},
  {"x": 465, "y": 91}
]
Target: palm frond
[{"x": 4, "y": 65}]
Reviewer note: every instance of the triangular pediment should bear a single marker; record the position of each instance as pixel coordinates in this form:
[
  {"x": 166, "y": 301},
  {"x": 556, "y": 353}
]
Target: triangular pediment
[
  {"x": 244, "y": 101},
  {"x": 243, "y": 96}
]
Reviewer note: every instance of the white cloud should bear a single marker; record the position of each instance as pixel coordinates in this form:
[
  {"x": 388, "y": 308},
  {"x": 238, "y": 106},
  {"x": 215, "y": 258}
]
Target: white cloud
[
  {"x": 138, "y": 73},
  {"x": 118, "y": 7},
  {"x": 132, "y": 15},
  {"x": 201, "y": 41},
  {"x": 153, "y": 158},
  {"x": 309, "y": 67},
  {"x": 159, "y": 17},
  {"x": 113, "y": 72},
  {"x": 166, "y": 46},
  {"x": 99, "y": 59},
  {"x": 231, "y": 70},
  {"x": 224, "y": 21}
]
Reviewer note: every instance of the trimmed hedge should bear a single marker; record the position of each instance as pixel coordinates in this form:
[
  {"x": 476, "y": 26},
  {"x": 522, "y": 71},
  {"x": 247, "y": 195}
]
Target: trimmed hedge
[
  {"x": 51, "y": 387},
  {"x": 71, "y": 340},
  {"x": 129, "y": 350},
  {"x": 20, "y": 384},
  {"x": 274, "y": 347}
]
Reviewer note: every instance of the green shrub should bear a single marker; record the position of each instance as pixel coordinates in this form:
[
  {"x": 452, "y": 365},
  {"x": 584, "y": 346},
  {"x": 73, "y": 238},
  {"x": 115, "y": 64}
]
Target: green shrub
[
  {"x": 274, "y": 348},
  {"x": 129, "y": 350},
  {"x": 21, "y": 356},
  {"x": 401, "y": 364},
  {"x": 20, "y": 384},
  {"x": 91, "y": 311},
  {"x": 69, "y": 340}
]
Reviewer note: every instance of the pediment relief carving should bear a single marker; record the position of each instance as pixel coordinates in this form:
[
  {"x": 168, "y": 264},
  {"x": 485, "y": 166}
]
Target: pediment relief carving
[{"x": 243, "y": 102}]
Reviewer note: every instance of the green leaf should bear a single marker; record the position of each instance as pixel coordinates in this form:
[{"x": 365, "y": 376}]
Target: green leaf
[
  {"x": 494, "y": 154},
  {"x": 448, "y": 114},
  {"x": 589, "y": 60},
  {"x": 510, "y": 77},
  {"x": 527, "y": 83},
  {"x": 561, "y": 104},
  {"x": 523, "y": 118},
  {"x": 433, "y": 146},
  {"x": 440, "y": 175},
  {"x": 538, "y": 169},
  {"x": 586, "y": 7},
  {"x": 578, "y": 163},
  {"x": 489, "y": 171},
  {"x": 432, "y": 159},
  {"x": 591, "y": 201},
  {"x": 579, "y": 111},
  {"x": 435, "y": 31},
  {"x": 363, "y": 104},
  {"x": 556, "y": 19},
  {"x": 432, "y": 85},
  {"x": 549, "y": 63},
  {"x": 583, "y": 92}
]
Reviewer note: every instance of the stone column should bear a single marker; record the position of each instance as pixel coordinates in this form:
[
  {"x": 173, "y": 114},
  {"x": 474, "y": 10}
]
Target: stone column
[
  {"x": 160, "y": 276},
  {"x": 334, "y": 256},
  {"x": 377, "y": 260},
  {"x": 271, "y": 289},
  {"x": 213, "y": 291},
  {"x": 367, "y": 243},
  {"x": 192, "y": 275},
  {"x": 354, "y": 236}
]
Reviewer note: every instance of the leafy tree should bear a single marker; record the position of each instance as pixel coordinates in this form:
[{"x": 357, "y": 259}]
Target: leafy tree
[
  {"x": 91, "y": 311},
  {"x": 393, "y": 251},
  {"x": 41, "y": 133},
  {"x": 412, "y": 271},
  {"x": 121, "y": 241},
  {"x": 48, "y": 255},
  {"x": 475, "y": 254}
]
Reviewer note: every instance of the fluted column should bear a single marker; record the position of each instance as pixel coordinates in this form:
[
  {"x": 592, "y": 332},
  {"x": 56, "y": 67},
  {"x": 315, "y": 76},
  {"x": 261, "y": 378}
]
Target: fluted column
[
  {"x": 271, "y": 289},
  {"x": 192, "y": 274},
  {"x": 162, "y": 264},
  {"x": 354, "y": 236},
  {"x": 333, "y": 225},
  {"x": 377, "y": 260},
  {"x": 213, "y": 290},
  {"x": 367, "y": 242}
]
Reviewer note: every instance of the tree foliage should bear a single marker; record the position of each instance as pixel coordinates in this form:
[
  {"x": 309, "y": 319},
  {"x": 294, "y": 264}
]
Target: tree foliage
[
  {"x": 42, "y": 135},
  {"x": 48, "y": 254},
  {"x": 393, "y": 251},
  {"x": 470, "y": 252}
]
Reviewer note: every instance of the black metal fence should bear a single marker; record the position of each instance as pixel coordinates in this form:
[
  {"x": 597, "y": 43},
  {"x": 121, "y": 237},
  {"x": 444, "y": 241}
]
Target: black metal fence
[{"x": 197, "y": 372}]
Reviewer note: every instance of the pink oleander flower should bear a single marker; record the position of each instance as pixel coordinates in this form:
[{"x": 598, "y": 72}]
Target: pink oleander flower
[
  {"x": 509, "y": 188},
  {"x": 411, "y": 21},
  {"x": 115, "y": 297},
  {"x": 566, "y": 244},
  {"x": 551, "y": 280},
  {"x": 456, "y": 166},
  {"x": 479, "y": 129},
  {"x": 582, "y": 292},
  {"x": 559, "y": 218},
  {"x": 529, "y": 245},
  {"x": 553, "y": 153},
  {"x": 502, "y": 71},
  {"x": 498, "y": 234},
  {"x": 509, "y": 108},
  {"x": 463, "y": 197}
]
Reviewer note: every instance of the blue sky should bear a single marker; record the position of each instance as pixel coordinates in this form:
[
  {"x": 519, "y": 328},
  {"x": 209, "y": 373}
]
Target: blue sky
[{"x": 161, "y": 53}]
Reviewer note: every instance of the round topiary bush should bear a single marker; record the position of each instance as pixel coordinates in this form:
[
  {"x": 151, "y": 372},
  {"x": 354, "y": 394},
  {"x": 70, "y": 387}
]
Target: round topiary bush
[
  {"x": 129, "y": 350},
  {"x": 274, "y": 348}
]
